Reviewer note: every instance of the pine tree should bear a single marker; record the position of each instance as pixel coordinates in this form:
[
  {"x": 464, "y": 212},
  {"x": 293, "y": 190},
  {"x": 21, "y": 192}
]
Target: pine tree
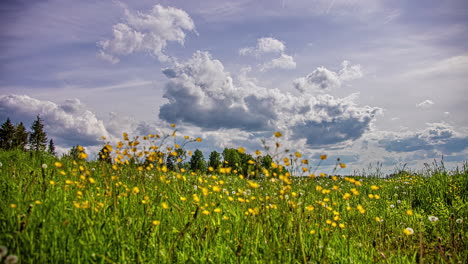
[
  {"x": 20, "y": 140},
  {"x": 38, "y": 137},
  {"x": 7, "y": 133},
  {"x": 51, "y": 149}
]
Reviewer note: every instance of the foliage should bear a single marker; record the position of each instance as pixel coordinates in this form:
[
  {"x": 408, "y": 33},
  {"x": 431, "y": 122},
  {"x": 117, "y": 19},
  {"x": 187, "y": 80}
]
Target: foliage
[
  {"x": 135, "y": 210},
  {"x": 38, "y": 137}
]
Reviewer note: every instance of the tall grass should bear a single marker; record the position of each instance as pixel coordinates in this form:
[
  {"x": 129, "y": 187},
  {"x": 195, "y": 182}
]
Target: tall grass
[{"x": 77, "y": 211}]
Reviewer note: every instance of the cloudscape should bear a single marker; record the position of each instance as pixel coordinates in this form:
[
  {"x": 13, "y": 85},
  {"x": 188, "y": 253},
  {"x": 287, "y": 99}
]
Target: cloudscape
[{"x": 365, "y": 81}]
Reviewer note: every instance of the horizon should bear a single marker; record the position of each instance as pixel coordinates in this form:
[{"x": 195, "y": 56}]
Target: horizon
[{"x": 365, "y": 81}]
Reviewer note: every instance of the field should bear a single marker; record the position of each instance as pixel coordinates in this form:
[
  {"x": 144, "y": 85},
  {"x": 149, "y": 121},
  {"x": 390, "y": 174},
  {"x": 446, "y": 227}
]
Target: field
[{"x": 72, "y": 210}]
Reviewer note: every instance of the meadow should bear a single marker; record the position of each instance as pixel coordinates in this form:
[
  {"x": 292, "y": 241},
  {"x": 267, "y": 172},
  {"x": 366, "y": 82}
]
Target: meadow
[{"x": 128, "y": 207}]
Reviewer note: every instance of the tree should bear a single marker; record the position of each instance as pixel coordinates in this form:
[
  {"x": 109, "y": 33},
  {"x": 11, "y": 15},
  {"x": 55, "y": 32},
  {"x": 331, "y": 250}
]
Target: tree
[
  {"x": 104, "y": 154},
  {"x": 215, "y": 160},
  {"x": 21, "y": 137},
  {"x": 197, "y": 162},
  {"x": 38, "y": 137},
  {"x": 51, "y": 149},
  {"x": 231, "y": 158},
  {"x": 7, "y": 133}
]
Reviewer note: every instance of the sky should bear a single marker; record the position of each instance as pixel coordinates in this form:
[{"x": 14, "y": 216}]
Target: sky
[{"x": 372, "y": 82}]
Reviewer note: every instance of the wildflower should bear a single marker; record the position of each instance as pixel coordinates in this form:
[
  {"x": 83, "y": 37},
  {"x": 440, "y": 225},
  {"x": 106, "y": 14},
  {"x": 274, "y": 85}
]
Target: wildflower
[
  {"x": 12, "y": 259},
  {"x": 323, "y": 157},
  {"x": 225, "y": 217},
  {"x": 135, "y": 190},
  {"x": 183, "y": 199},
  {"x": 217, "y": 210},
  {"x": 342, "y": 165},
  {"x": 253, "y": 184},
  {"x": 375, "y": 187},
  {"x": 205, "y": 212},
  {"x": 199, "y": 139},
  {"x": 378, "y": 219},
  {"x": 44, "y": 166},
  {"x": 3, "y": 251},
  {"x": 341, "y": 225},
  {"x": 459, "y": 221},
  {"x": 173, "y": 125},
  {"x": 52, "y": 182},
  {"x": 409, "y": 212},
  {"x": 433, "y": 218},
  {"x": 164, "y": 205},
  {"x": 278, "y": 134},
  {"x": 310, "y": 208},
  {"x": 408, "y": 231},
  {"x": 312, "y": 232},
  {"x": 156, "y": 222},
  {"x": 37, "y": 202}
]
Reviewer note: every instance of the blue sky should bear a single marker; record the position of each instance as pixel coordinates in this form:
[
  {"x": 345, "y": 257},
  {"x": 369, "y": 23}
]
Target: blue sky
[{"x": 367, "y": 81}]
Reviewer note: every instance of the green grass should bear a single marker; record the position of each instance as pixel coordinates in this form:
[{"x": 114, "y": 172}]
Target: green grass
[{"x": 112, "y": 220}]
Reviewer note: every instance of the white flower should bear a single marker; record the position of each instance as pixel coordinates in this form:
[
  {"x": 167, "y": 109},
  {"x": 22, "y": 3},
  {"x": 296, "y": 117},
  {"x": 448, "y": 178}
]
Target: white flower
[
  {"x": 44, "y": 166},
  {"x": 12, "y": 259},
  {"x": 392, "y": 206},
  {"x": 3, "y": 251},
  {"x": 408, "y": 231},
  {"x": 398, "y": 201},
  {"x": 433, "y": 218},
  {"x": 459, "y": 220}
]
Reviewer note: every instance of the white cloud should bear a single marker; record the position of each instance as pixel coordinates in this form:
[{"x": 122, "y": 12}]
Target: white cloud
[
  {"x": 283, "y": 62},
  {"x": 322, "y": 79},
  {"x": 425, "y": 104},
  {"x": 264, "y": 45},
  {"x": 148, "y": 32},
  {"x": 203, "y": 94},
  {"x": 348, "y": 73},
  {"x": 68, "y": 124}
]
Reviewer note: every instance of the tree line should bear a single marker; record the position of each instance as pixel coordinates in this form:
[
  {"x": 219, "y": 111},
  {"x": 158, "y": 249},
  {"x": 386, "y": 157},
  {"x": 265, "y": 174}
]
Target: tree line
[{"x": 17, "y": 137}]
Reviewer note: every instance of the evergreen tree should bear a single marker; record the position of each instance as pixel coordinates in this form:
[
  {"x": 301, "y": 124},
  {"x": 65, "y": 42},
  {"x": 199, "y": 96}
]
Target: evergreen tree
[
  {"x": 51, "y": 149},
  {"x": 197, "y": 162},
  {"x": 7, "y": 133},
  {"x": 21, "y": 137},
  {"x": 215, "y": 160},
  {"x": 38, "y": 137}
]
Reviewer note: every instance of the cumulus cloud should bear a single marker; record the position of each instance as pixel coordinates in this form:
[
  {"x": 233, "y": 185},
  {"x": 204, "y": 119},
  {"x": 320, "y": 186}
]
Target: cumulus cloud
[
  {"x": 425, "y": 104},
  {"x": 264, "y": 45},
  {"x": 283, "y": 62},
  {"x": 322, "y": 79},
  {"x": 439, "y": 137},
  {"x": 147, "y": 32},
  {"x": 201, "y": 93},
  {"x": 271, "y": 46},
  {"x": 68, "y": 124}
]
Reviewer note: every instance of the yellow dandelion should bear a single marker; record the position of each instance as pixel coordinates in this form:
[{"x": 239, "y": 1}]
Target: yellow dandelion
[
  {"x": 278, "y": 134},
  {"x": 323, "y": 157},
  {"x": 409, "y": 212},
  {"x": 342, "y": 165},
  {"x": 156, "y": 222},
  {"x": 312, "y": 232},
  {"x": 13, "y": 206},
  {"x": 241, "y": 150},
  {"x": 205, "y": 212},
  {"x": 164, "y": 205},
  {"x": 58, "y": 164},
  {"x": 199, "y": 139},
  {"x": 217, "y": 210}
]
